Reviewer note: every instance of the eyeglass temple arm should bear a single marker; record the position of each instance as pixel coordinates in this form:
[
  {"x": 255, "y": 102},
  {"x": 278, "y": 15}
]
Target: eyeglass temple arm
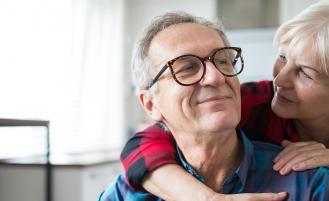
[
  {"x": 157, "y": 76},
  {"x": 236, "y": 59}
]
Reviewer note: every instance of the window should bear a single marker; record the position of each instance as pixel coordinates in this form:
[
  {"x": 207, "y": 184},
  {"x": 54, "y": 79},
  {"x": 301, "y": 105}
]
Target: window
[{"x": 62, "y": 61}]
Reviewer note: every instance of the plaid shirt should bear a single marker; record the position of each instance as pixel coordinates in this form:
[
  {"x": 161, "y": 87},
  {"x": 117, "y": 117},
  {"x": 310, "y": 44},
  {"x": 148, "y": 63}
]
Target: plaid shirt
[
  {"x": 154, "y": 146},
  {"x": 254, "y": 175}
]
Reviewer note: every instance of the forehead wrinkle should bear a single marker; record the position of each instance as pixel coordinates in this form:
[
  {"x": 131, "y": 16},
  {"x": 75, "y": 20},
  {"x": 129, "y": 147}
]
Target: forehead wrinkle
[
  {"x": 181, "y": 39},
  {"x": 188, "y": 38}
]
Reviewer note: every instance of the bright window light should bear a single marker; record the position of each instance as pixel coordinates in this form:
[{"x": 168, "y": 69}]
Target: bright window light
[{"x": 62, "y": 61}]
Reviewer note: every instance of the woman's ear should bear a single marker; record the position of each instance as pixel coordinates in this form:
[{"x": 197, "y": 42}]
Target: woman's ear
[{"x": 147, "y": 101}]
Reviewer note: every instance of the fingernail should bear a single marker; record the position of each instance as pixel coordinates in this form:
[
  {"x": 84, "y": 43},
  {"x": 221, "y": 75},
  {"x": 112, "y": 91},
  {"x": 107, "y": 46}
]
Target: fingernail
[
  {"x": 282, "y": 193},
  {"x": 276, "y": 166},
  {"x": 283, "y": 171}
]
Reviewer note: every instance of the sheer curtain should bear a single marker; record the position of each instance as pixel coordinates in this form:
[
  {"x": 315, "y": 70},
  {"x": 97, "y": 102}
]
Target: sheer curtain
[
  {"x": 98, "y": 49},
  {"x": 62, "y": 61}
]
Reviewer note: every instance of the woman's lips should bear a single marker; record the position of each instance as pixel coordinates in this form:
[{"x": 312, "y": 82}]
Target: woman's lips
[{"x": 282, "y": 98}]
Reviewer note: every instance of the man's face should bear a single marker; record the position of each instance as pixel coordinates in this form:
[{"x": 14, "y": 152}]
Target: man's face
[{"x": 211, "y": 105}]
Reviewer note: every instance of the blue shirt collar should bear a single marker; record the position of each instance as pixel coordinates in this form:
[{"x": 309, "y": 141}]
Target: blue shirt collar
[{"x": 235, "y": 182}]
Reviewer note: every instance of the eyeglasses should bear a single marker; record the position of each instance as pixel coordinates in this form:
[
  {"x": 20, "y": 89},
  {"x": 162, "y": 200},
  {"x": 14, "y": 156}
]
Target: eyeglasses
[{"x": 190, "y": 69}]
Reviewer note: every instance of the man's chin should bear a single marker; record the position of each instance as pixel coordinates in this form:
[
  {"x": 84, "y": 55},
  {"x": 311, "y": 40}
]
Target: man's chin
[{"x": 220, "y": 122}]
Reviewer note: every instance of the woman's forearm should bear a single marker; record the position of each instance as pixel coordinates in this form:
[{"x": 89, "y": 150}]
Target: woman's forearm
[{"x": 172, "y": 182}]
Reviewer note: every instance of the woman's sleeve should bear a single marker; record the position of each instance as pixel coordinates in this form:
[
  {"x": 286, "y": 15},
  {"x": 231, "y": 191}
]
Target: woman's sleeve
[
  {"x": 146, "y": 151},
  {"x": 256, "y": 113}
]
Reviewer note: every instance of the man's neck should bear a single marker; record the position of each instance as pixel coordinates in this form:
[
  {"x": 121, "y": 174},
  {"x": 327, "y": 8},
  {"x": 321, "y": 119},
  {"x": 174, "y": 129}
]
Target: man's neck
[{"x": 214, "y": 156}]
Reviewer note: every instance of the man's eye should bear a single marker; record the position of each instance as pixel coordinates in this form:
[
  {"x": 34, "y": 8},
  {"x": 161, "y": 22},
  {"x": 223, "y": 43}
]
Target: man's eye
[
  {"x": 186, "y": 69},
  {"x": 221, "y": 61}
]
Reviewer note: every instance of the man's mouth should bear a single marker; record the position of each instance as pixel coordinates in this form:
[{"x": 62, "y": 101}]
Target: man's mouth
[{"x": 214, "y": 99}]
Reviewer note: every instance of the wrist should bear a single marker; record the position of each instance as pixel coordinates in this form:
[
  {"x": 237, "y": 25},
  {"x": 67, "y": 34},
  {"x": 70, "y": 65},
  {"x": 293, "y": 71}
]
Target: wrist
[
  {"x": 210, "y": 195},
  {"x": 220, "y": 197}
]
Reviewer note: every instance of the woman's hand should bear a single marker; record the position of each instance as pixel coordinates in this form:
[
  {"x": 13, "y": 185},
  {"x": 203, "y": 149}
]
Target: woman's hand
[{"x": 299, "y": 156}]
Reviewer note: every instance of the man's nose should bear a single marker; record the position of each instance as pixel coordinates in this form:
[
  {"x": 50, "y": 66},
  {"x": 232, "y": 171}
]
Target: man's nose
[{"x": 212, "y": 75}]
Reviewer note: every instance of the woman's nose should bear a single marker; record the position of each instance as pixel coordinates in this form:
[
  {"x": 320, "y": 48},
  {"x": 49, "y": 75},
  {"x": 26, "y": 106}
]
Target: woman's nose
[
  {"x": 284, "y": 76},
  {"x": 277, "y": 68}
]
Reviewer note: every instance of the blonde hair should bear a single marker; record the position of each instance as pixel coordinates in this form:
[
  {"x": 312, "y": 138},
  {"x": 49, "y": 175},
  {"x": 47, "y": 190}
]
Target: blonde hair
[{"x": 313, "y": 22}]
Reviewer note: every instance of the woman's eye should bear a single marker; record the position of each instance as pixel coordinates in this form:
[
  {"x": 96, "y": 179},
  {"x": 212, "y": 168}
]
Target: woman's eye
[
  {"x": 282, "y": 58},
  {"x": 302, "y": 73}
]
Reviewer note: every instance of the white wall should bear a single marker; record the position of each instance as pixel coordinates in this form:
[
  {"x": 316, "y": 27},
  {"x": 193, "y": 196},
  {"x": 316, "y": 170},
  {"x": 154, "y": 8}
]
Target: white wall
[
  {"x": 257, "y": 50},
  {"x": 290, "y": 8}
]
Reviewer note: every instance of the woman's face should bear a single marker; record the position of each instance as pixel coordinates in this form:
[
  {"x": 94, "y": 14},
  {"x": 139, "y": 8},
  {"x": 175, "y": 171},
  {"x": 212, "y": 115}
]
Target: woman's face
[{"x": 300, "y": 84}]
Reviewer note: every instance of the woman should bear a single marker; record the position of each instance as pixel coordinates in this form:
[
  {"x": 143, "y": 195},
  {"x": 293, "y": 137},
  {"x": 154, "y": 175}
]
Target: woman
[{"x": 294, "y": 107}]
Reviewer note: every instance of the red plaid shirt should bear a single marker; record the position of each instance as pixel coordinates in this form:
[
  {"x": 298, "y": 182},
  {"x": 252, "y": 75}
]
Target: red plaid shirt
[{"x": 154, "y": 147}]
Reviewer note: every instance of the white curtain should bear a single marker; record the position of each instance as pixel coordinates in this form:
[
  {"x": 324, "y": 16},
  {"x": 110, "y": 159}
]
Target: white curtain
[
  {"x": 62, "y": 61},
  {"x": 98, "y": 50}
]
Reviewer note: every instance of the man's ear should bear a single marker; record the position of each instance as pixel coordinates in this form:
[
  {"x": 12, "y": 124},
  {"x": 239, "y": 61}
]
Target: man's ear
[{"x": 146, "y": 99}]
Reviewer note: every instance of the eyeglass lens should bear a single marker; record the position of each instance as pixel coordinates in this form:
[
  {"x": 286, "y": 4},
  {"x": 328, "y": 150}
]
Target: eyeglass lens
[{"x": 190, "y": 69}]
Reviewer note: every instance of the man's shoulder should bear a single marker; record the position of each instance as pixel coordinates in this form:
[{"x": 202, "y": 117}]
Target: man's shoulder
[
  {"x": 266, "y": 148},
  {"x": 320, "y": 175},
  {"x": 264, "y": 154},
  {"x": 115, "y": 191},
  {"x": 120, "y": 190}
]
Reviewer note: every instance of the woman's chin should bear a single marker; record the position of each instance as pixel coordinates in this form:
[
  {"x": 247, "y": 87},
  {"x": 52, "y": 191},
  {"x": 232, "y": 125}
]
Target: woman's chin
[{"x": 280, "y": 110}]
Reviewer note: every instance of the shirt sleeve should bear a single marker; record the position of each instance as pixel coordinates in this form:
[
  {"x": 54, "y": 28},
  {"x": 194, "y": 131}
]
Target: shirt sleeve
[
  {"x": 146, "y": 151},
  {"x": 256, "y": 112},
  {"x": 253, "y": 95}
]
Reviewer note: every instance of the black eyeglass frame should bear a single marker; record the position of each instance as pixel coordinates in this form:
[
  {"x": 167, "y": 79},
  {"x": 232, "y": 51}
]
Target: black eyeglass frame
[{"x": 210, "y": 58}]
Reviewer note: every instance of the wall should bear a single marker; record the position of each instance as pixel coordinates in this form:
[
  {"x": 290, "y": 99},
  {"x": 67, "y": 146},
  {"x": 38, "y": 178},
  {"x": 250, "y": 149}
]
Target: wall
[
  {"x": 257, "y": 50},
  {"x": 260, "y": 13},
  {"x": 290, "y": 8}
]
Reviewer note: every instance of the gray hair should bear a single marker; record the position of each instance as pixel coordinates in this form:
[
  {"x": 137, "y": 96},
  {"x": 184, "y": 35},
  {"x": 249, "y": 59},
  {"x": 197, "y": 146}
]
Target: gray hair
[
  {"x": 141, "y": 64},
  {"x": 313, "y": 22}
]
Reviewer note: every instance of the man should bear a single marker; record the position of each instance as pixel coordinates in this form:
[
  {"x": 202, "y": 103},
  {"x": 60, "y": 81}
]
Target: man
[{"x": 185, "y": 75}]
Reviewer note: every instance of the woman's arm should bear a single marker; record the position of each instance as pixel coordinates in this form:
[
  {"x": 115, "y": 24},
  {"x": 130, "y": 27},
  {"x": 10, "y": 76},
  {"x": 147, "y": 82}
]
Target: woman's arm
[
  {"x": 146, "y": 151},
  {"x": 147, "y": 155},
  {"x": 171, "y": 182}
]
